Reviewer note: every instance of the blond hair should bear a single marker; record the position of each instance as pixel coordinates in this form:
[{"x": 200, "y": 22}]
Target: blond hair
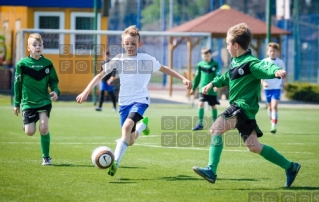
[
  {"x": 240, "y": 34},
  {"x": 274, "y": 45},
  {"x": 36, "y": 36},
  {"x": 132, "y": 31}
]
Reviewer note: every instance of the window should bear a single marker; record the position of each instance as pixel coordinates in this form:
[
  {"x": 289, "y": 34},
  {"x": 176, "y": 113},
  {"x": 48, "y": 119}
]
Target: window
[
  {"x": 83, "y": 21},
  {"x": 50, "y": 20}
]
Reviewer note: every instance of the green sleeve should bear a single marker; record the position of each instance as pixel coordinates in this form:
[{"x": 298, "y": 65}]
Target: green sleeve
[
  {"x": 218, "y": 72},
  {"x": 196, "y": 78},
  {"x": 221, "y": 81},
  {"x": 18, "y": 86},
  {"x": 263, "y": 69},
  {"x": 53, "y": 81}
]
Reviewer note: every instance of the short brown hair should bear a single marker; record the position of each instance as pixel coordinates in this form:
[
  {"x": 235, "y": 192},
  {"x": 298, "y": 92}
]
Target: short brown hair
[
  {"x": 240, "y": 34},
  {"x": 206, "y": 50},
  {"x": 274, "y": 45},
  {"x": 36, "y": 36},
  {"x": 132, "y": 31}
]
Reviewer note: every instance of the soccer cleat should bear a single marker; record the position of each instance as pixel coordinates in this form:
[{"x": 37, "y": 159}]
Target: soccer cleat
[
  {"x": 112, "y": 170},
  {"x": 292, "y": 173},
  {"x": 46, "y": 161},
  {"x": 147, "y": 130},
  {"x": 199, "y": 127},
  {"x": 98, "y": 109},
  {"x": 205, "y": 173},
  {"x": 273, "y": 130}
]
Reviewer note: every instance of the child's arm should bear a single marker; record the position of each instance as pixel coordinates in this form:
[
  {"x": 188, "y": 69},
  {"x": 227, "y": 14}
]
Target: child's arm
[
  {"x": 170, "y": 72},
  {"x": 53, "y": 83},
  {"x": 266, "y": 70},
  {"x": 96, "y": 80},
  {"x": 17, "y": 90},
  {"x": 217, "y": 82}
]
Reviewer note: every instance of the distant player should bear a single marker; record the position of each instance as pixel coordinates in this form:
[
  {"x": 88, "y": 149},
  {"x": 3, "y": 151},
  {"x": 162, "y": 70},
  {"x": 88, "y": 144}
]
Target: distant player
[
  {"x": 135, "y": 70},
  {"x": 34, "y": 74},
  {"x": 272, "y": 87},
  {"x": 206, "y": 71},
  {"x": 106, "y": 84},
  {"x": 243, "y": 78}
]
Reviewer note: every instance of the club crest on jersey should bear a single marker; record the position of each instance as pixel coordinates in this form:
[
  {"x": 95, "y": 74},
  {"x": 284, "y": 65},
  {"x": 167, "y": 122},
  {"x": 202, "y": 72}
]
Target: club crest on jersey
[
  {"x": 241, "y": 71},
  {"x": 47, "y": 70},
  {"x": 213, "y": 69}
]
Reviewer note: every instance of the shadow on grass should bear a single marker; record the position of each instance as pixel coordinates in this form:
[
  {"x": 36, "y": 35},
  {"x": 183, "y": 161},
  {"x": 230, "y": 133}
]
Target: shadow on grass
[
  {"x": 242, "y": 179},
  {"x": 127, "y": 180},
  {"x": 301, "y": 188},
  {"x": 71, "y": 165},
  {"x": 132, "y": 167},
  {"x": 180, "y": 178}
]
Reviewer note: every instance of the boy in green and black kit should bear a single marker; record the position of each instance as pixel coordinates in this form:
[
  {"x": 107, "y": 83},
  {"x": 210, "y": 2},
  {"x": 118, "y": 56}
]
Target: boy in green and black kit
[
  {"x": 34, "y": 74},
  {"x": 243, "y": 78},
  {"x": 206, "y": 71}
]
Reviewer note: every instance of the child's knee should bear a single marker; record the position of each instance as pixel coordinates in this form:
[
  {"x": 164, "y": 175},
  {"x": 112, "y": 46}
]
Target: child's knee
[
  {"x": 44, "y": 129},
  {"x": 29, "y": 132}
]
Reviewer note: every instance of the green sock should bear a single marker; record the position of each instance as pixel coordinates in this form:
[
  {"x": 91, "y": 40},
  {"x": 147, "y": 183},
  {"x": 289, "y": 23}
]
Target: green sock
[
  {"x": 214, "y": 114},
  {"x": 200, "y": 115},
  {"x": 275, "y": 157},
  {"x": 45, "y": 145},
  {"x": 215, "y": 150}
]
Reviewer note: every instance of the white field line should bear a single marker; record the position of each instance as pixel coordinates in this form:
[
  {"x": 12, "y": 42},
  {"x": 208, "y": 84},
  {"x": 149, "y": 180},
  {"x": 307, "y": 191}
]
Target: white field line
[{"x": 147, "y": 145}]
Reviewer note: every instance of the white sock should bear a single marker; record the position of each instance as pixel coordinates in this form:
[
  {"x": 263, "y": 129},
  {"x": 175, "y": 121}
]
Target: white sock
[
  {"x": 120, "y": 149},
  {"x": 274, "y": 117},
  {"x": 140, "y": 127}
]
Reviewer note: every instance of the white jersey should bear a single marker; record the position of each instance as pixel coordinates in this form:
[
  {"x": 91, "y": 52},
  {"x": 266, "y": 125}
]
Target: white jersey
[
  {"x": 135, "y": 73},
  {"x": 274, "y": 83}
]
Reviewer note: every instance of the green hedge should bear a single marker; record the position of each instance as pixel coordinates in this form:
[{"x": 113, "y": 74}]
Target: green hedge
[{"x": 303, "y": 91}]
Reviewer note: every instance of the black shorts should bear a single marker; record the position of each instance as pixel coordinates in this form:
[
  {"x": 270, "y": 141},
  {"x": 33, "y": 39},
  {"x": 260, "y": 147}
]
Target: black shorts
[
  {"x": 32, "y": 115},
  {"x": 136, "y": 117},
  {"x": 211, "y": 99},
  {"x": 244, "y": 125}
]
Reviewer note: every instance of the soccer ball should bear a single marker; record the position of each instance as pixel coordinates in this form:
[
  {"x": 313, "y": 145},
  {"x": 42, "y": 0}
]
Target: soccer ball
[{"x": 102, "y": 157}]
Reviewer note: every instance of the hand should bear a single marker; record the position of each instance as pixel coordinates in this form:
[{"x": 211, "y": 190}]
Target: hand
[
  {"x": 110, "y": 82},
  {"x": 187, "y": 83},
  {"x": 82, "y": 97},
  {"x": 16, "y": 110},
  {"x": 191, "y": 92},
  {"x": 206, "y": 88},
  {"x": 280, "y": 74},
  {"x": 54, "y": 96}
]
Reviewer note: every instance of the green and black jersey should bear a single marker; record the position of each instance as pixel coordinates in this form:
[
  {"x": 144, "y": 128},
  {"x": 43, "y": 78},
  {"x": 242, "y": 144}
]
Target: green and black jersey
[
  {"x": 205, "y": 73},
  {"x": 32, "y": 79},
  {"x": 243, "y": 78}
]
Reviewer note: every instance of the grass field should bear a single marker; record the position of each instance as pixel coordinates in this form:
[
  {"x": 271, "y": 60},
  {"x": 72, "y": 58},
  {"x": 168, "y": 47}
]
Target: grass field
[{"x": 149, "y": 171}]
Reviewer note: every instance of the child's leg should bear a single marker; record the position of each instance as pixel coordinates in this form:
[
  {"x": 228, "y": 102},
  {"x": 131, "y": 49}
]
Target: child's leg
[
  {"x": 125, "y": 140},
  {"x": 111, "y": 93},
  {"x": 219, "y": 127},
  {"x": 274, "y": 112},
  {"x": 29, "y": 128},
  {"x": 44, "y": 132},
  {"x": 266, "y": 151},
  {"x": 201, "y": 112},
  {"x": 214, "y": 112},
  {"x": 101, "y": 98}
]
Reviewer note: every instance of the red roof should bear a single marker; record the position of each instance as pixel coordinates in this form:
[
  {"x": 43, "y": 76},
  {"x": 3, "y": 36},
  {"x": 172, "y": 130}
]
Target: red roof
[{"x": 219, "y": 21}]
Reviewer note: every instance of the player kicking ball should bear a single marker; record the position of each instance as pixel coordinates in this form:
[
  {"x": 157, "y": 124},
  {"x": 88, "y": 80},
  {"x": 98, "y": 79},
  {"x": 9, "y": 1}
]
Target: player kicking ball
[
  {"x": 135, "y": 70},
  {"x": 243, "y": 78}
]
